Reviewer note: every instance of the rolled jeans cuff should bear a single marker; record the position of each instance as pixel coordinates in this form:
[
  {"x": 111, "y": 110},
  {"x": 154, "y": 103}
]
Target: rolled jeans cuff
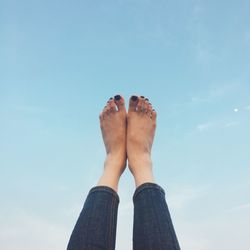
[
  {"x": 147, "y": 185},
  {"x": 105, "y": 189}
]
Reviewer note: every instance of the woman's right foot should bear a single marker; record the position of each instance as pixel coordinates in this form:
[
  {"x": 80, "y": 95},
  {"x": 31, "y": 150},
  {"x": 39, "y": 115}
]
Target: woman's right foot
[
  {"x": 141, "y": 125},
  {"x": 113, "y": 126}
]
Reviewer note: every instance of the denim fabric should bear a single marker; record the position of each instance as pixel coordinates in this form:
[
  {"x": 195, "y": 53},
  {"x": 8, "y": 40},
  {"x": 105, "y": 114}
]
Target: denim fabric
[
  {"x": 95, "y": 228},
  {"x": 153, "y": 228}
]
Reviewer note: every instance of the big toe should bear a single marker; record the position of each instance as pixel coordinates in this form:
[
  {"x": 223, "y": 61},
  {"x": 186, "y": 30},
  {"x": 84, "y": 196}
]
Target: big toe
[
  {"x": 120, "y": 103},
  {"x": 133, "y": 103}
]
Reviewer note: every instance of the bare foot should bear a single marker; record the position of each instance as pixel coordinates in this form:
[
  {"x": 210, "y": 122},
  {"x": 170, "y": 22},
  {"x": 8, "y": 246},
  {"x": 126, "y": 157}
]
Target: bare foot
[
  {"x": 141, "y": 125},
  {"x": 113, "y": 126}
]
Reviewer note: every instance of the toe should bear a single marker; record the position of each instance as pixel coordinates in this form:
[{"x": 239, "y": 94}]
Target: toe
[
  {"x": 133, "y": 103},
  {"x": 140, "y": 105},
  {"x": 144, "y": 104},
  {"x": 112, "y": 106},
  {"x": 148, "y": 107},
  {"x": 106, "y": 111},
  {"x": 120, "y": 102},
  {"x": 154, "y": 114},
  {"x": 109, "y": 100}
]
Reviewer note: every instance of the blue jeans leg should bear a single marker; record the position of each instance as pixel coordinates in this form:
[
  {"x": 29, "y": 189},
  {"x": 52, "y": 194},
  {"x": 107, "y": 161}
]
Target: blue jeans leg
[
  {"x": 95, "y": 228},
  {"x": 153, "y": 228}
]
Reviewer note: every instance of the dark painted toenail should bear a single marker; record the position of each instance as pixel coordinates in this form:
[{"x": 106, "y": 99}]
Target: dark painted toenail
[
  {"x": 146, "y": 99},
  {"x": 142, "y": 96},
  {"x": 149, "y": 103},
  {"x": 134, "y": 98},
  {"x": 111, "y": 98},
  {"x": 117, "y": 97}
]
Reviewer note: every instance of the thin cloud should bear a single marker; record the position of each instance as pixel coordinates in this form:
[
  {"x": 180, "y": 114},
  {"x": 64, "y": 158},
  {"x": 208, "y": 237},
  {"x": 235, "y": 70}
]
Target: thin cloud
[
  {"x": 241, "y": 207},
  {"x": 199, "y": 99},
  {"x": 216, "y": 125},
  {"x": 204, "y": 126},
  {"x": 231, "y": 124},
  {"x": 214, "y": 94}
]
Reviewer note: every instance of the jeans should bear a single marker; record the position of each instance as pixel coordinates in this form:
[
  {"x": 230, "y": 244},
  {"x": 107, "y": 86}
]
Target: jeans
[{"x": 96, "y": 226}]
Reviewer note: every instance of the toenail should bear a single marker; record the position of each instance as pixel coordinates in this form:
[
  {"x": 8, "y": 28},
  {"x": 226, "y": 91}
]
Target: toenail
[
  {"x": 134, "y": 98},
  {"x": 142, "y": 96},
  {"x": 117, "y": 97},
  {"x": 149, "y": 103},
  {"x": 146, "y": 99},
  {"x": 110, "y": 98}
]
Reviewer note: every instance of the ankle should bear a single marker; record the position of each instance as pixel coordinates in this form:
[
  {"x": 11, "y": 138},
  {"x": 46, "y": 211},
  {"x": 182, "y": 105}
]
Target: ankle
[
  {"x": 143, "y": 176},
  {"x": 109, "y": 179},
  {"x": 115, "y": 163},
  {"x": 114, "y": 166},
  {"x": 139, "y": 162},
  {"x": 141, "y": 168}
]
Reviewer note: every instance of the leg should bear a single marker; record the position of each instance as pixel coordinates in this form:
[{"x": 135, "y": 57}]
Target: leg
[
  {"x": 153, "y": 228},
  {"x": 96, "y": 225}
]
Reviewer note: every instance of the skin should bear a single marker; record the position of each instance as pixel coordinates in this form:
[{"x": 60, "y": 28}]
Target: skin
[{"x": 128, "y": 136}]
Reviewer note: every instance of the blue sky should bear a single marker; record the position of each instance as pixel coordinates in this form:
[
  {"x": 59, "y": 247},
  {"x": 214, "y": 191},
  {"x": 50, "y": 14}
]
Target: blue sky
[{"x": 59, "y": 63}]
